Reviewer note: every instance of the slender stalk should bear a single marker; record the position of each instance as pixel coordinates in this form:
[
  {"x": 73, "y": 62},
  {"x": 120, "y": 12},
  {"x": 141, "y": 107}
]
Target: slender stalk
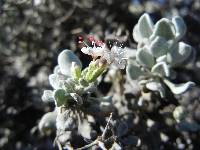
[
  {"x": 101, "y": 138},
  {"x": 106, "y": 128}
]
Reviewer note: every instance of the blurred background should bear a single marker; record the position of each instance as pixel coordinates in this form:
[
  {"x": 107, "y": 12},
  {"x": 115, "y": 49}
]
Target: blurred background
[{"x": 33, "y": 32}]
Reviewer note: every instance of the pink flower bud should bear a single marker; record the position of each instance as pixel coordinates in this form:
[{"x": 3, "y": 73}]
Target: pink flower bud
[{"x": 91, "y": 39}]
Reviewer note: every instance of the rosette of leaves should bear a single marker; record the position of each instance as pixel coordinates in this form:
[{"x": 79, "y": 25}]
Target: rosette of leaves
[
  {"x": 159, "y": 51},
  {"x": 71, "y": 92}
]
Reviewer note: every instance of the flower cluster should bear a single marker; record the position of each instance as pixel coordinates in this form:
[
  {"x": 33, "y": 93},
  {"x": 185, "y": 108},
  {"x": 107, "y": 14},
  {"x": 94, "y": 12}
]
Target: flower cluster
[{"x": 98, "y": 49}]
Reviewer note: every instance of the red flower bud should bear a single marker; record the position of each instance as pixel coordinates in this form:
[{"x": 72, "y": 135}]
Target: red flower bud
[{"x": 80, "y": 39}]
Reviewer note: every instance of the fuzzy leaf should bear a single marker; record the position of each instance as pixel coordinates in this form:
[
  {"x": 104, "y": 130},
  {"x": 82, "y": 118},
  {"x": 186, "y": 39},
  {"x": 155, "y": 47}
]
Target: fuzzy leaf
[
  {"x": 65, "y": 59},
  {"x": 133, "y": 71},
  {"x": 60, "y": 97},
  {"x": 158, "y": 46},
  {"x": 48, "y": 122},
  {"x": 179, "y": 88},
  {"x": 180, "y": 27},
  {"x": 165, "y": 29},
  {"x": 56, "y": 70},
  {"x": 54, "y": 81},
  {"x": 94, "y": 71},
  {"x": 145, "y": 26},
  {"x": 69, "y": 85},
  {"x": 179, "y": 53},
  {"x": 136, "y": 34},
  {"x": 47, "y": 96},
  {"x": 156, "y": 86},
  {"x": 144, "y": 57},
  {"x": 162, "y": 59},
  {"x": 161, "y": 69}
]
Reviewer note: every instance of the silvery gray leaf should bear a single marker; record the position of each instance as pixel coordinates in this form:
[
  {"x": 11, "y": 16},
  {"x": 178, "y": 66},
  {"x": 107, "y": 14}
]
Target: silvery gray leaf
[
  {"x": 161, "y": 69},
  {"x": 47, "y": 96},
  {"x": 162, "y": 59},
  {"x": 180, "y": 27},
  {"x": 164, "y": 28},
  {"x": 137, "y": 35},
  {"x": 144, "y": 81},
  {"x": 54, "y": 81},
  {"x": 48, "y": 122},
  {"x": 145, "y": 26},
  {"x": 179, "y": 53},
  {"x": 57, "y": 80},
  {"x": 65, "y": 59},
  {"x": 133, "y": 71},
  {"x": 56, "y": 70},
  {"x": 144, "y": 57},
  {"x": 156, "y": 86},
  {"x": 158, "y": 46},
  {"x": 130, "y": 52},
  {"x": 179, "y": 88}
]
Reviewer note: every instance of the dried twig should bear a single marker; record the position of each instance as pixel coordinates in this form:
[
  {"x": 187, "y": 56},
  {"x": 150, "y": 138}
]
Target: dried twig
[
  {"x": 100, "y": 138},
  {"x": 106, "y": 128}
]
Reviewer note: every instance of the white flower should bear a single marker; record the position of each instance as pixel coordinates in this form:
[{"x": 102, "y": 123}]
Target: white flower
[
  {"x": 116, "y": 56},
  {"x": 97, "y": 49},
  {"x": 94, "y": 51}
]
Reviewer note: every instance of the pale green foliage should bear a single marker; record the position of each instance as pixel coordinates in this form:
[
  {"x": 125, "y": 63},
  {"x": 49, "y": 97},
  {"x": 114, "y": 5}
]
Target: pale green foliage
[
  {"x": 69, "y": 84},
  {"x": 159, "y": 50}
]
